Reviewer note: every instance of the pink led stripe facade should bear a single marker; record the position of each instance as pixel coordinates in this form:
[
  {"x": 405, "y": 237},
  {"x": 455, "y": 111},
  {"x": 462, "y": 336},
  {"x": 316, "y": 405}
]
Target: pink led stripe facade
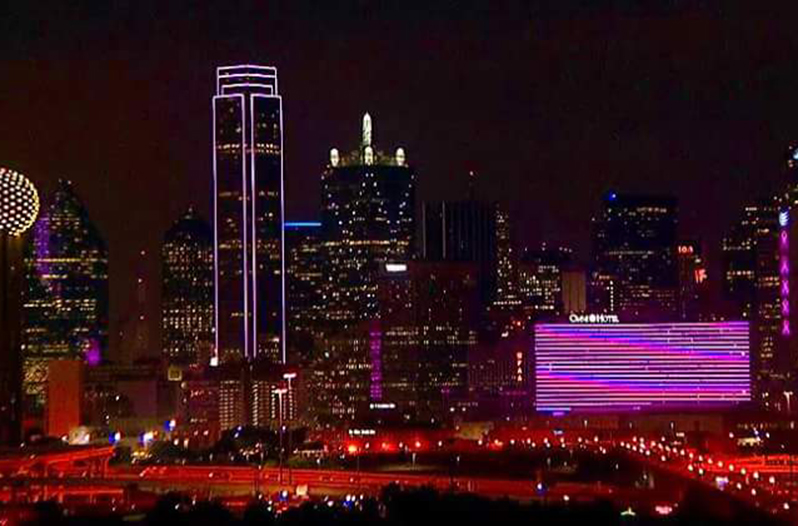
[
  {"x": 610, "y": 367},
  {"x": 784, "y": 271}
]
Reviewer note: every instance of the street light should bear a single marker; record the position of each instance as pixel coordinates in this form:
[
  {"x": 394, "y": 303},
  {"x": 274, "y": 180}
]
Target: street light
[
  {"x": 280, "y": 392},
  {"x": 288, "y": 377}
]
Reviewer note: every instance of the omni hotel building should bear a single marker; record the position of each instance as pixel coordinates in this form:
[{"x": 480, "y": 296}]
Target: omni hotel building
[
  {"x": 598, "y": 363},
  {"x": 248, "y": 207}
]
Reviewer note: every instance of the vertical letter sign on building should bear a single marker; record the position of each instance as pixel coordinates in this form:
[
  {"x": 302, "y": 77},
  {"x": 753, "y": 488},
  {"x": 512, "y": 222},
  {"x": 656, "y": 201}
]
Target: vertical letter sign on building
[{"x": 784, "y": 270}]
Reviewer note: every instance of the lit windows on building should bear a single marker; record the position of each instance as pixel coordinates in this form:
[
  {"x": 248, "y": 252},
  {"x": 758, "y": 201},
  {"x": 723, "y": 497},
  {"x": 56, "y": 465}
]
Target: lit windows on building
[
  {"x": 368, "y": 203},
  {"x": 634, "y": 270},
  {"x": 304, "y": 281},
  {"x": 540, "y": 280},
  {"x": 751, "y": 287},
  {"x": 428, "y": 314},
  {"x": 65, "y": 299},
  {"x": 187, "y": 290},
  {"x": 248, "y": 209}
]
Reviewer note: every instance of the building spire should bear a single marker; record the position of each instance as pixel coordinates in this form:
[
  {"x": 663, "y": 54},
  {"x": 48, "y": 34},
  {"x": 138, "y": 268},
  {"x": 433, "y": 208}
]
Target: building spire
[
  {"x": 472, "y": 179},
  {"x": 366, "y": 137}
]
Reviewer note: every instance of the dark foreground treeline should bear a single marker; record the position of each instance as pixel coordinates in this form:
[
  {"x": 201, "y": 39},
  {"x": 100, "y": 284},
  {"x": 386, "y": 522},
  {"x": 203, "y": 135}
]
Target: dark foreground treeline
[{"x": 417, "y": 507}]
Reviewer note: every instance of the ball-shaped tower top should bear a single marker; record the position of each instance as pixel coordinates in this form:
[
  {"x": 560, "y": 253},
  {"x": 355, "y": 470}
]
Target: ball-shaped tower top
[{"x": 19, "y": 202}]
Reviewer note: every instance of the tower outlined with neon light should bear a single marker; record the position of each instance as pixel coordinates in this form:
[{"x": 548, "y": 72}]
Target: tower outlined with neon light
[{"x": 248, "y": 190}]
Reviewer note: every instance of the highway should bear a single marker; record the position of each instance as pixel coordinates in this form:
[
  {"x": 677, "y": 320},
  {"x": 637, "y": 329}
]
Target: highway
[{"x": 41, "y": 477}]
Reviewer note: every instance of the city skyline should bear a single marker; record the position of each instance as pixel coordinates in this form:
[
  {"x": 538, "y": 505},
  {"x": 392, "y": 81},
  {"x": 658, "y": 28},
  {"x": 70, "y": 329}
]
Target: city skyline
[
  {"x": 529, "y": 81},
  {"x": 382, "y": 263}
]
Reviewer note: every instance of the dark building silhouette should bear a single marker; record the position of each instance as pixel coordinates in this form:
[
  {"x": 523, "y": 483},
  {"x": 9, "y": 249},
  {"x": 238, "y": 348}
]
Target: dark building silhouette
[
  {"x": 304, "y": 265},
  {"x": 248, "y": 207},
  {"x": 187, "y": 290},
  {"x": 19, "y": 206},
  {"x": 66, "y": 293},
  {"x": 462, "y": 231},
  {"x": 693, "y": 283},
  {"x": 133, "y": 341},
  {"x": 634, "y": 266}
]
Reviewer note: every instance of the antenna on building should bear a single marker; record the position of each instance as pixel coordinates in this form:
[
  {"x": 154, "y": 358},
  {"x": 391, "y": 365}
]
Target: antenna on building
[
  {"x": 472, "y": 180},
  {"x": 366, "y": 137}
]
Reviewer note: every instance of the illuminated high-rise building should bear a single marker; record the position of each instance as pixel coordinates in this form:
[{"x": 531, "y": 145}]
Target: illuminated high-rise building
[
  {"x": 540, "y": 280},
  {"x": 248, "y": 208},
  {"x": 303, "y": 265},
  {"x": 65, "y": 312},
  {"x": 790, "y": 198},
  {"x": 506, "y": 296},
  {"x": 634, "y": 268},
  {"x": 368, "y": 218},
  {"x": 187, "y": 293},
  {"x": 341, "y": 379},
  {"x": 427, "y": 325},
  {"x": 751, "y": 288}
]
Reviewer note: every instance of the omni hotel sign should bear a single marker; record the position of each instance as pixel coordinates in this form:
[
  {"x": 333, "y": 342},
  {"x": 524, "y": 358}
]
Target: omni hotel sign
[{"x": 594, "y": 318}]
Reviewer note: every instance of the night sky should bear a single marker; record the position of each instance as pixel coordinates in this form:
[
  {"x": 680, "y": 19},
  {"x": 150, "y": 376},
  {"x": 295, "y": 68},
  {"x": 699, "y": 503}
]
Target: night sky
[{"x": 552, "y": 104}]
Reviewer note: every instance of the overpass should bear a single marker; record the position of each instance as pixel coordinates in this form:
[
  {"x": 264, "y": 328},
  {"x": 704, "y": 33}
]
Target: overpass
[{"x": 34, "y": 462}]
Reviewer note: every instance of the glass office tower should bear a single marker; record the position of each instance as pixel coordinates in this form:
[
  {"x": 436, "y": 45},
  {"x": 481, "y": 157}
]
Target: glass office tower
[{"x": 248, "y": 206}]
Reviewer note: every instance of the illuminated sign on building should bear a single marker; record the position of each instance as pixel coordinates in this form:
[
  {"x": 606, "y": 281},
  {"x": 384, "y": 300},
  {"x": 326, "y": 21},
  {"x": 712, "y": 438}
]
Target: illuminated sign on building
[
  {"x": 362, "y": 432},
  {"x": 633, "y": 366},
  {"x": 395, "y": 267},
  {"x": 685, "y": 249},
  {"x": 375, "y": 353},
  {"x": 382, "y": 405},
  {"x": 594, "y": 318}
]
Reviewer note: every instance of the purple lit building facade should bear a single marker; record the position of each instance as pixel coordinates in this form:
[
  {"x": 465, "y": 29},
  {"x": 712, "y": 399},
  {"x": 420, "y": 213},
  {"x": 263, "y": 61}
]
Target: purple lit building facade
[
  {"x": 65, "y": 297},
  {"x": 637, "y": 366},
  {"x": 248, "y": 208}
]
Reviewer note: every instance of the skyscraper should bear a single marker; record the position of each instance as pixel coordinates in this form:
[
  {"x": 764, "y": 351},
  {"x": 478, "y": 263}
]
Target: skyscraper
[
  {"x": 133, "y": 340},
  {"x": 303, "y": 264},
  {"x": 187, "y": 296},
  {"x": 634, "y": 268},
  {"x": 248, "y": 208},
  {"x": 692, "y": 279},
  {"x": 368, "y": 218},
  {"x": 65, "y": 311},
  {"x": 19, "y": 206},
  {"x": 426, "y": 328},
  {"x": 462, "y": 231},
  {"x": 540, "y": 280},
  {"x": 506, "y": 272},
  {"x": 751, "y": 288}
]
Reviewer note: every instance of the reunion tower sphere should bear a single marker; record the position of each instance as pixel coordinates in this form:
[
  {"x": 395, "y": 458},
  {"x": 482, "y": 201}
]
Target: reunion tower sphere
[{"x": 19, "y": 202}]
